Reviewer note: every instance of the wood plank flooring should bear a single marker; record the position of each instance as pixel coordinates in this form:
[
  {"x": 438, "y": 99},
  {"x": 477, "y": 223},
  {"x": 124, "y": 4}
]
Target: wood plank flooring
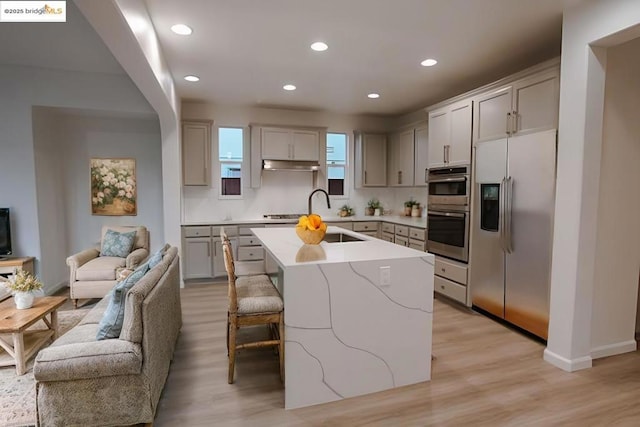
[{"x": 484, "y": 374}]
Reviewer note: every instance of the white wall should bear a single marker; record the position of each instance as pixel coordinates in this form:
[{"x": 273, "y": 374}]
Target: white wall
[
  {"x": 582, "y": 81},
  {"x": 618, "y": 234},
  {"x": 20, "y": 89},
  {"x": 203, "y": 204}
]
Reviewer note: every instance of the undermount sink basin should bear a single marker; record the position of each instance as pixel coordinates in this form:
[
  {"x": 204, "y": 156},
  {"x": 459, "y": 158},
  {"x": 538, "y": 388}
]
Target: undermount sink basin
[{"x": 340, "y": 237}]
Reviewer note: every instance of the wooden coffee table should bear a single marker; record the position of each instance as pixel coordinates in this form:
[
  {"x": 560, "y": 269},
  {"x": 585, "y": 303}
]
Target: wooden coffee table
[{"x": 19, "y": 342}]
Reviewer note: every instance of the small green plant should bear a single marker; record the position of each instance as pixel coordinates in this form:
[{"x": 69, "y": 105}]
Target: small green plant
[
  {"x": 409, "y": 203},
  {"x": 23, "y": 281},
  {"x": 345, "y": 210},
  {"x": 374, "y": 204}
]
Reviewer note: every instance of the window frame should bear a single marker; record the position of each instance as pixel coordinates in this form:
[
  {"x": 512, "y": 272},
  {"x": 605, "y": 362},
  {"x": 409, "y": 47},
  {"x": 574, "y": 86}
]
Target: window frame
[
  {"x": 328, "y": 164},
  {"x": 219, "y": 163}
]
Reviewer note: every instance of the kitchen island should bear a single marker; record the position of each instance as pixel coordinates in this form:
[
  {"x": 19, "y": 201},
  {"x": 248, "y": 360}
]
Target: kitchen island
[{"x": 358, "y": 314}]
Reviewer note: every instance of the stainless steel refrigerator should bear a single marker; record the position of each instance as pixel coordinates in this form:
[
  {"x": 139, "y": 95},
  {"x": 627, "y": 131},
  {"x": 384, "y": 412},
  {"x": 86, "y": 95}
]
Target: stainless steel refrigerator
[{"x": 512, "y": 229}]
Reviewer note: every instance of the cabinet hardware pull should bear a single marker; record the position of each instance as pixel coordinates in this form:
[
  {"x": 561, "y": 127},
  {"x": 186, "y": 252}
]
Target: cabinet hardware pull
[
  {"x": 425, "y": 175},
  {"x": 443, "y": 270},
  {"x": 441, "y": 286},
  {"x": 444, "y": 153},
  {"x": 399, "y": 177},
  {"x": 514, "y": 122},
  {"x": 365, "y": 177},
  {"x": 509, "y": 123}
]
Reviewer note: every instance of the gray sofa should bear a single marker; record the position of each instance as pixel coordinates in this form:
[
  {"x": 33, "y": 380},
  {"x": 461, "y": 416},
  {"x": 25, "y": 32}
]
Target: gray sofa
[{"x": 81, "y": 381}]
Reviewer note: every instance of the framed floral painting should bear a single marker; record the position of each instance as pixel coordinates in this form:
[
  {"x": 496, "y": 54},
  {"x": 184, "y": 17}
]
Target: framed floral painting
[{"x": 113, "y": 187}]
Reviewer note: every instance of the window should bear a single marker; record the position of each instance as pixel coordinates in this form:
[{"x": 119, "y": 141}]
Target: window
[
  {"x": 336, "y": 164},
  {"x": 230, "y": 157}
]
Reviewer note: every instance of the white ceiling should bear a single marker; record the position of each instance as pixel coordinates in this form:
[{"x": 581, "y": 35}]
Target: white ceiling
[
  {"x": 71, "y": 46},
  {"x": 245, "y": 50}
]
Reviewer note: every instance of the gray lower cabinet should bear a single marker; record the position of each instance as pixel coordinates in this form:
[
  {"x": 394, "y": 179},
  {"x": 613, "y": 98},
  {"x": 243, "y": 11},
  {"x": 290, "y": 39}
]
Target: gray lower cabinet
[{"x": 198, "y": 252}]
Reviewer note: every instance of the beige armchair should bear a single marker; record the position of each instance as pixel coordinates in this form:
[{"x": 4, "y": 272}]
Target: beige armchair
[{"x": 93, "y": 276}]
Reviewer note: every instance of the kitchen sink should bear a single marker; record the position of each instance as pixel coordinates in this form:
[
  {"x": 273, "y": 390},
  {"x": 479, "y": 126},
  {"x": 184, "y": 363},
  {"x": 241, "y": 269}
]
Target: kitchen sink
[{"x": 340, "y": 237}]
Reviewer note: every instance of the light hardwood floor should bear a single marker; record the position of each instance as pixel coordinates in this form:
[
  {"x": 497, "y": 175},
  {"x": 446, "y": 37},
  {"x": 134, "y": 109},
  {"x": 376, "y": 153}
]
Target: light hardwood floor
[{"x": 484, "y": 374}]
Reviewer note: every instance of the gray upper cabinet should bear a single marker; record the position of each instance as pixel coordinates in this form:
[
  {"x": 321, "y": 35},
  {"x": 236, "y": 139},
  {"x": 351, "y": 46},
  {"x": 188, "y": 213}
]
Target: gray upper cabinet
[
  {"x": 290, "y": 144},
  {"x": 450, "y": 135},
  {"x": 371, "y": 159},
  {"x": 401, "y": 159},
  {"x": 196, "y": 152},
  {"x": 524, "y": 106},
  {"x": 421, "y": 156}
]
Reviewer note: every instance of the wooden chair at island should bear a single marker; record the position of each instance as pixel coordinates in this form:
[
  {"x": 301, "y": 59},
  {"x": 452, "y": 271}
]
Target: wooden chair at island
[{"x": 253, "y": 300}]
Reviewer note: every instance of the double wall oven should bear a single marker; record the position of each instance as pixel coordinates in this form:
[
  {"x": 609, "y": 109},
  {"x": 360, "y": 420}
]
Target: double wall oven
[{"x": 448, "y": 212}]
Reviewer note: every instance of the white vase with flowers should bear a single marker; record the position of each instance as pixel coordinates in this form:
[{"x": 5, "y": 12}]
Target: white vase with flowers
[{"x": 23, "y": 286}]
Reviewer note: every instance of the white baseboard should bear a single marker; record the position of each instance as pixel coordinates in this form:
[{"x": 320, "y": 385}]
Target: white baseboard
[
  {"x": 613, "y": 349},
  {"x": 569, "y": 365},
  {"x": 52, "y": 290}
]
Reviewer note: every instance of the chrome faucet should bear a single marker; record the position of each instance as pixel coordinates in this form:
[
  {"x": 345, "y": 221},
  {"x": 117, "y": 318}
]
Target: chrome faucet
[{"x": 314, "y": 192}]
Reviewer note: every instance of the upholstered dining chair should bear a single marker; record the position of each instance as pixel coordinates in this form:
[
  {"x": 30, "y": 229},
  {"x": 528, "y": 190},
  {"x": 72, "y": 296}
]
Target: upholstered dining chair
[
  {"x": 93, "y": 272},
  {"x": 253, "y": 300}
]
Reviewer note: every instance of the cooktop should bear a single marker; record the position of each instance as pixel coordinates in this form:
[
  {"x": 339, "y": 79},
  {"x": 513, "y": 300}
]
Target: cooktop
[{"x": 282, "y": 216}]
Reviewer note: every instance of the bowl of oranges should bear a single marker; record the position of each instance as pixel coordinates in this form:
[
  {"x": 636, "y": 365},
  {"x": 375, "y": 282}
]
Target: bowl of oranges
[{"x": 311, "y": 229}]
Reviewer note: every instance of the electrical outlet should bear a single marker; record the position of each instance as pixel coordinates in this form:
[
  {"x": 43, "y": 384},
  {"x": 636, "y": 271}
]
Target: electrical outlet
[{"x": 385, "y": 276}]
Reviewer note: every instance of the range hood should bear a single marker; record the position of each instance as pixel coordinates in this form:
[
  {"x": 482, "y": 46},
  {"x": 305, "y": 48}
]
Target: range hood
[{"x": 290, "y": 165}]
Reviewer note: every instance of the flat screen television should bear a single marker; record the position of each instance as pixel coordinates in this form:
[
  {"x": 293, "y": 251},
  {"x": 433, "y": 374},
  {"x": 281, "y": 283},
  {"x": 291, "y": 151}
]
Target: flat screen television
[{"x": 5, "y": 232}]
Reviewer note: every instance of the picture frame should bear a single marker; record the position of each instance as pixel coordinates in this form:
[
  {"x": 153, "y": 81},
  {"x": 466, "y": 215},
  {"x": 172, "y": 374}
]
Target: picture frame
[{"x": 113, "y": 187}]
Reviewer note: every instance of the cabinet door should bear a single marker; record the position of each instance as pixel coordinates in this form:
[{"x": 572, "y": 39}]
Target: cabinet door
[
  {"x": 439, "y": 132},
  {"x": 374, "y": 159},
  {"x": 392, "y": 159},
  {"x": 197, "y": 258},
  {"x": 218, "y": 257},
  {"x": 421, "y": 156},
  {"x": 306, "y": 145},
  {"x": 492, "y": 115},
  {"x": 536, "y": 103},
  {"x": 459, "y": 150},
  {"x": 196, "y": 146},
  {"x": 404, "y": 159},
  {"x": 276, "y": 144}
]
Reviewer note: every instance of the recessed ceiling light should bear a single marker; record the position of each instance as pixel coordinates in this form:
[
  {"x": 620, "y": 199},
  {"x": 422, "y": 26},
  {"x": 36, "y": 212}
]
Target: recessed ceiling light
[
  {"x": 429, "y": 62},
  {"x": 319, "y": 46},
  {"x": 192, "y": 78},
  {"x": 289, "y": 87},
  {"x": 181, "y": 29},
  {"x": 374, "y": 95}
]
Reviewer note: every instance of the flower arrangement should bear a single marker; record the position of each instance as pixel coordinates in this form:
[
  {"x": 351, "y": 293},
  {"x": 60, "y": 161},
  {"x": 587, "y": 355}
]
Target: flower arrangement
[
  {"x": 372, "y": 205},
  {"x": 23, "y": 281},
  {"x": 409, "y": 204},
  {"x": 345, "y": 210},
  {"x": 111, "y": 183},
  {"x": 311, "y": 229}
]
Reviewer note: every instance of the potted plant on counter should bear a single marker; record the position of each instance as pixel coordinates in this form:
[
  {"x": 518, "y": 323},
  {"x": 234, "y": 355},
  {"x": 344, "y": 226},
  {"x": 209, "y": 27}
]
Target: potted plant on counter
[
  {"x": 345, "y": 210},
  {"x": 373, "y": 206},
  {"x": 408, "y": 205}
]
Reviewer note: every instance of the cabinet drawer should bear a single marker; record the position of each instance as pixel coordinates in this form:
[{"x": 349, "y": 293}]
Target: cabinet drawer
[
  {"x": 416, "y": 244},
  {"x": 365, "y": 226},
  {"x": 346, "y": 225},
  {"x": 402, "y": 241},
  {"x": 450, "y": 289},
  {"x": 402, "y": 230},
  {"x": 250, "y": 253},
  {"x": 387, "y": 236},
  {"x": 248, "y": 241},
  {"x": 245, "y": 230},
  {"x": 197, "y": 231},
  {"x": 451, "y": 270},
  {"x": 388, "y": 228},
  {"x": 231, "y": 230},
  {"x": 417, "y": 233}
]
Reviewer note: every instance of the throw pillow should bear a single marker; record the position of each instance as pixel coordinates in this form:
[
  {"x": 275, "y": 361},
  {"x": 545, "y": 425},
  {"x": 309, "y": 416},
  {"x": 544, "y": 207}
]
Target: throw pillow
[
  {"x": 156, "y": 258},
  {"x": 111, "y": 323},
  {"x": 117, "y": 244}
]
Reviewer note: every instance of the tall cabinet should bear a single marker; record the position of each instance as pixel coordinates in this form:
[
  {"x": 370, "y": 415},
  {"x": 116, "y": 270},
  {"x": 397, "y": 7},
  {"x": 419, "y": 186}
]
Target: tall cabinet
[
  {"x": 450, "y": 135},
  {"x": 371, "y": 159},
  {"x": 401, "y": 159},
  {"x": 196, "y": 152}
]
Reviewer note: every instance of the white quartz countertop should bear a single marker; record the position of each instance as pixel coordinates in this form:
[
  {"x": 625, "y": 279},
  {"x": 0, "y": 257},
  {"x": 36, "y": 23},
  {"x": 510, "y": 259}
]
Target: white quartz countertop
[
  {"x": 288, "y": 250},
  {"x": 418, "y": 222}
]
